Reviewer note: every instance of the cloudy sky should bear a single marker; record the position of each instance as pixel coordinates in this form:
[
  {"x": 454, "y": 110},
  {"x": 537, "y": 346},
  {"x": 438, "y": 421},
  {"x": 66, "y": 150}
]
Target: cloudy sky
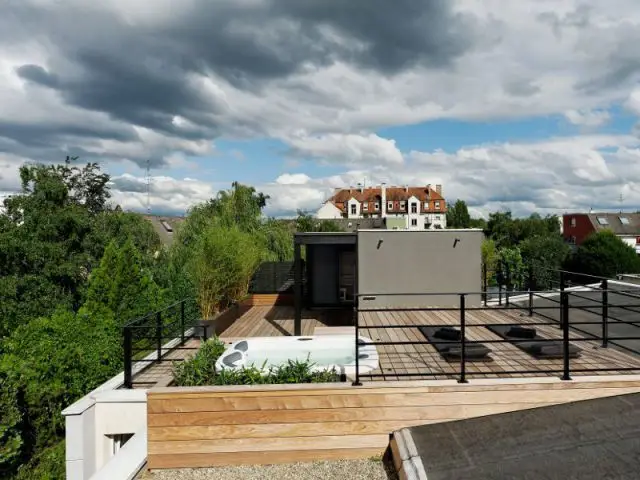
[{"x": 521, "y": 105}]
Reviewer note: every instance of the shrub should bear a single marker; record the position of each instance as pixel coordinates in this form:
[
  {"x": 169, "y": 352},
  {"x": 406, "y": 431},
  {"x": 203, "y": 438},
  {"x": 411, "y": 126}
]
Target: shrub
[{"x": 200, "y": 370}]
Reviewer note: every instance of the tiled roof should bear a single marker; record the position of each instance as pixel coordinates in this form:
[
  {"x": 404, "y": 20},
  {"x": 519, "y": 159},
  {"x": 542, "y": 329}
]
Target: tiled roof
[
  {"x": 613, "y": 222},
  {"x": 165, "y": 236},
  {"x": 393, "y": 194}
]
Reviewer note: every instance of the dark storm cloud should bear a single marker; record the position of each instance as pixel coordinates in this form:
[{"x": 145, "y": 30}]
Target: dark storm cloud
[
  {"x": 142, "y": 73},
  {"x": 37, "y": 74}
]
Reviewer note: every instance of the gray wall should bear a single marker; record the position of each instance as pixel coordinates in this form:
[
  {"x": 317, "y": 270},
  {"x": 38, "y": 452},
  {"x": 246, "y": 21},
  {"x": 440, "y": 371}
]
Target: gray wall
[
  {"x": 404, "y": 261},
  {"x": 324, "y": 268}
]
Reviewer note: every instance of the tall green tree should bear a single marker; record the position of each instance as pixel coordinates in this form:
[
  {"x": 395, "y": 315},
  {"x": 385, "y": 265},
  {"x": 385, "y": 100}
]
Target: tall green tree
[
  {"x": 458, "y": 215},
  {"x": 544, "y": 256},
  {"x": 604, "y": 254},
  {"x": 123, "y": 284}
]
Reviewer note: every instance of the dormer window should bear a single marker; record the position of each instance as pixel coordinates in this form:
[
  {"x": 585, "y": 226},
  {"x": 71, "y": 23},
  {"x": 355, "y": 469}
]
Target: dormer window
[
  {"x": 624, "y": 220},
  {"x": 402, "y": 204},
  {"x": 426, "y": 205},
  {"x": 437, "y": 205},
  {"x": 353, "y": 209},
  {"x": 389, "y": 205},
  {"x": 414, "y": 208},
  {"x": 376, "y": 206},
  {"x": 365, "y": 206}
]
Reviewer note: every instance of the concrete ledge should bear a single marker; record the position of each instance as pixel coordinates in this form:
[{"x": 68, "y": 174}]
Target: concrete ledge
[{"x": 404, "y": 453}]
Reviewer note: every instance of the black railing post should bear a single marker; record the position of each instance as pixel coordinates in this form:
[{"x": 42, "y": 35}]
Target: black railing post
[
  {"x": 566, "y": 373},
  {"x": 506, "y": 295},
  {"x": 484, "y": 284},
  {"x": 159, "y": 334},
  {"x": 530, "y": 285},
  {"x": 561, "y": 281},
  {"x": 182, "y": 322},
  {"x": 128, "y": 360},
  {"x": 605, "y": 313},
  {"x": 463, "y": 345},
  {"x": 356, "y": 322},
  {"x": 500, "y": 293}
]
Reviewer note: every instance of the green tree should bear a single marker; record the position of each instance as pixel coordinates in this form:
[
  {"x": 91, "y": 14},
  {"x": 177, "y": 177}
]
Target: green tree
[
  {"x": 604, "y": 254},
  {"x": 122, "y": 284},
  {"x": 544, "y": 255},
  {"x": 305, "y": 222},
  {"x": 221, "y": 265},
  {"x": 49, "y": 363},
  {"x": 511, "y": 267},
  {"x": 458, "y": 215},
  {"x": 489, "y": 260},
  {"x": 12, "y": 444}
]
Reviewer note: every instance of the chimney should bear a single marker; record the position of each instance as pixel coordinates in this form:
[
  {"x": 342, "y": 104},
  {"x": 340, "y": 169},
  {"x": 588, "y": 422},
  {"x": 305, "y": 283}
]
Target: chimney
[
  {"x": 428, "y": 191},
  {"x": 406, "y": 188},
  {"x": 383, "y": 200},
  {"x": 439, "y": 189}
]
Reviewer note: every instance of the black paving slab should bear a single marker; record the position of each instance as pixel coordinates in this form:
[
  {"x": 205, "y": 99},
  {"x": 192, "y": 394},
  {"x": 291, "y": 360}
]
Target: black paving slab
[
  {"x": 588, "y": 440},
  {"x": 592, "y": 301}
]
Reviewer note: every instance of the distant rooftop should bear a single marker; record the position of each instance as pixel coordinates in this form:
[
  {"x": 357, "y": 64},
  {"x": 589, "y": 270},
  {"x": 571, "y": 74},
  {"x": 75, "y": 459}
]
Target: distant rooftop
[{"x": 165, "y": 225}]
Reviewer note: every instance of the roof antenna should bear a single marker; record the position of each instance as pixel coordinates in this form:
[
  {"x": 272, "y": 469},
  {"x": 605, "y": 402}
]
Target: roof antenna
[
  {"x": 621, "y": 199},
  {"x": 148, "y": 182}
]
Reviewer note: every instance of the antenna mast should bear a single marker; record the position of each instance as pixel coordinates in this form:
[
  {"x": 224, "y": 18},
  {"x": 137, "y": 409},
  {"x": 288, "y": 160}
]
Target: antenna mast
[
  {"x": 621, "y": 200},
  {"x": 148, "y": 182}
]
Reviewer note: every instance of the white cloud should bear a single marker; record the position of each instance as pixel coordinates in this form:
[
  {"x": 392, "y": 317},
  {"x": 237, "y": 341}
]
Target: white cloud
[
  {"x": 550, "y": 176},
  {"x": 588, "y": 118},
  {"x": 633, "y": 102},
  {"x": 351, "y": 149}
]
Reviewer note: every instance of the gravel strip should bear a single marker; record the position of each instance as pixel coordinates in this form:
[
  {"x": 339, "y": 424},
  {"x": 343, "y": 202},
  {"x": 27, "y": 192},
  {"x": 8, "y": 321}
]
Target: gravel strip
[{"x": 338, "y": 470}]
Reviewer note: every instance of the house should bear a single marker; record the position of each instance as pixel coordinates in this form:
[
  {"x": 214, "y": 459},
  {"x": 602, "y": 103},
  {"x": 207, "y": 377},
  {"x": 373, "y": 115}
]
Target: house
[
  {"x": 403, "y": 208},
  {"x": 576, "y": 227},
  {"x": 393, "y": 266}
]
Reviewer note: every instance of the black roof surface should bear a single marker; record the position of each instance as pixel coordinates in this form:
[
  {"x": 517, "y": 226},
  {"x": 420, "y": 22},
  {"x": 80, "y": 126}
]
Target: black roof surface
[{"x": 592, "y": 439}]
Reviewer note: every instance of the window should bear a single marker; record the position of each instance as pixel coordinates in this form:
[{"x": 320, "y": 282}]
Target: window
[
  {"x": 402, "y": 204},
  {"x": 573, "y": 222},
  {"x": 365, "y": 206},
  {"x": 414, "y": 222},
  {"x": 624, "y": 220},
  {"x": 414, "y": 208},
  {"x": 353, "y": 209},
  {"x": 437, "y": 205},
  {"x": 603, "y": 221},
  {"x": 376, "y": 206},
  {"x": 572, "y": 240},
  {"x": 389, "y": 205},
  {"x": 118, "y": 441}
]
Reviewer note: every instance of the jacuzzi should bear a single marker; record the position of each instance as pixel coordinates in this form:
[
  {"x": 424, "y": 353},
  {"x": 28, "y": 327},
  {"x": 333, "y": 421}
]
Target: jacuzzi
[{"x": 326, "y": 351}]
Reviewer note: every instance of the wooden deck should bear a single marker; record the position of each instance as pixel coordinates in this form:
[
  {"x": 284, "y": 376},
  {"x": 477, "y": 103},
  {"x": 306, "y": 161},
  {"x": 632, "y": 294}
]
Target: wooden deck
[
  {"x": 424, "y": 360},
  {"x": 397, "y": 362}
]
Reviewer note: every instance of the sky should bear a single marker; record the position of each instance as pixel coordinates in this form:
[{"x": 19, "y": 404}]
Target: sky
[{"x": 510, "y": 105}]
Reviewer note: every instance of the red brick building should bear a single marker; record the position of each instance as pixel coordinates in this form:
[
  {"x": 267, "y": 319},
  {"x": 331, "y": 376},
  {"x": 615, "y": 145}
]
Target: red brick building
[{"x": 576, "y": 227}]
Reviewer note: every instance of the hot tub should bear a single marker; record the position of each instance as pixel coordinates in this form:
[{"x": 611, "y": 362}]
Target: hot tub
[{"x": 326, "y": 351}]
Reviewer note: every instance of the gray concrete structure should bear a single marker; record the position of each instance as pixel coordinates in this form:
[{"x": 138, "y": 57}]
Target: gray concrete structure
[
  {"x": 419, "y": 263},
  {"x": 392, "y": 269}
]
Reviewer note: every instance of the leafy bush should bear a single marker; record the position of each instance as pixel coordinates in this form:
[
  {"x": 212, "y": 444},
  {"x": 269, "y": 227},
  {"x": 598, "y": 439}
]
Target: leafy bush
[
  {"x": 52, "y": 362},
  {"x": 200, "y": 370},
  {"x": 604, "y": 254},
  {"x": 222, "y": 263}
]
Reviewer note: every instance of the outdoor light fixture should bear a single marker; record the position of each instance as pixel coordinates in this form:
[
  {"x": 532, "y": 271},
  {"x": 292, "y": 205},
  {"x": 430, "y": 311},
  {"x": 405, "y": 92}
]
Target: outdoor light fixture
[{"x": 455, "y": 242}]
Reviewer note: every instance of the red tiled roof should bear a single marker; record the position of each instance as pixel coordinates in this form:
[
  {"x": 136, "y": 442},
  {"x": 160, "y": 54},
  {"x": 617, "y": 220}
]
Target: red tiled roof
[{"x": 395, "y": 194}]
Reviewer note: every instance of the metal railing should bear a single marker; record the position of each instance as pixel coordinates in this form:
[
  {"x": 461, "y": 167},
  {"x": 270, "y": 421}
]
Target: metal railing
[
  {"x": 146, "y": 338},
  {"x": 514, "y": 300}
]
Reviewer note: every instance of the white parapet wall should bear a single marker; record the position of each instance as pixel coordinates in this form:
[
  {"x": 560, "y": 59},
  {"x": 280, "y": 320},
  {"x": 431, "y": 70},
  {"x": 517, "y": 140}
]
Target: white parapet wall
[{"x": 95, "y": 423}]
